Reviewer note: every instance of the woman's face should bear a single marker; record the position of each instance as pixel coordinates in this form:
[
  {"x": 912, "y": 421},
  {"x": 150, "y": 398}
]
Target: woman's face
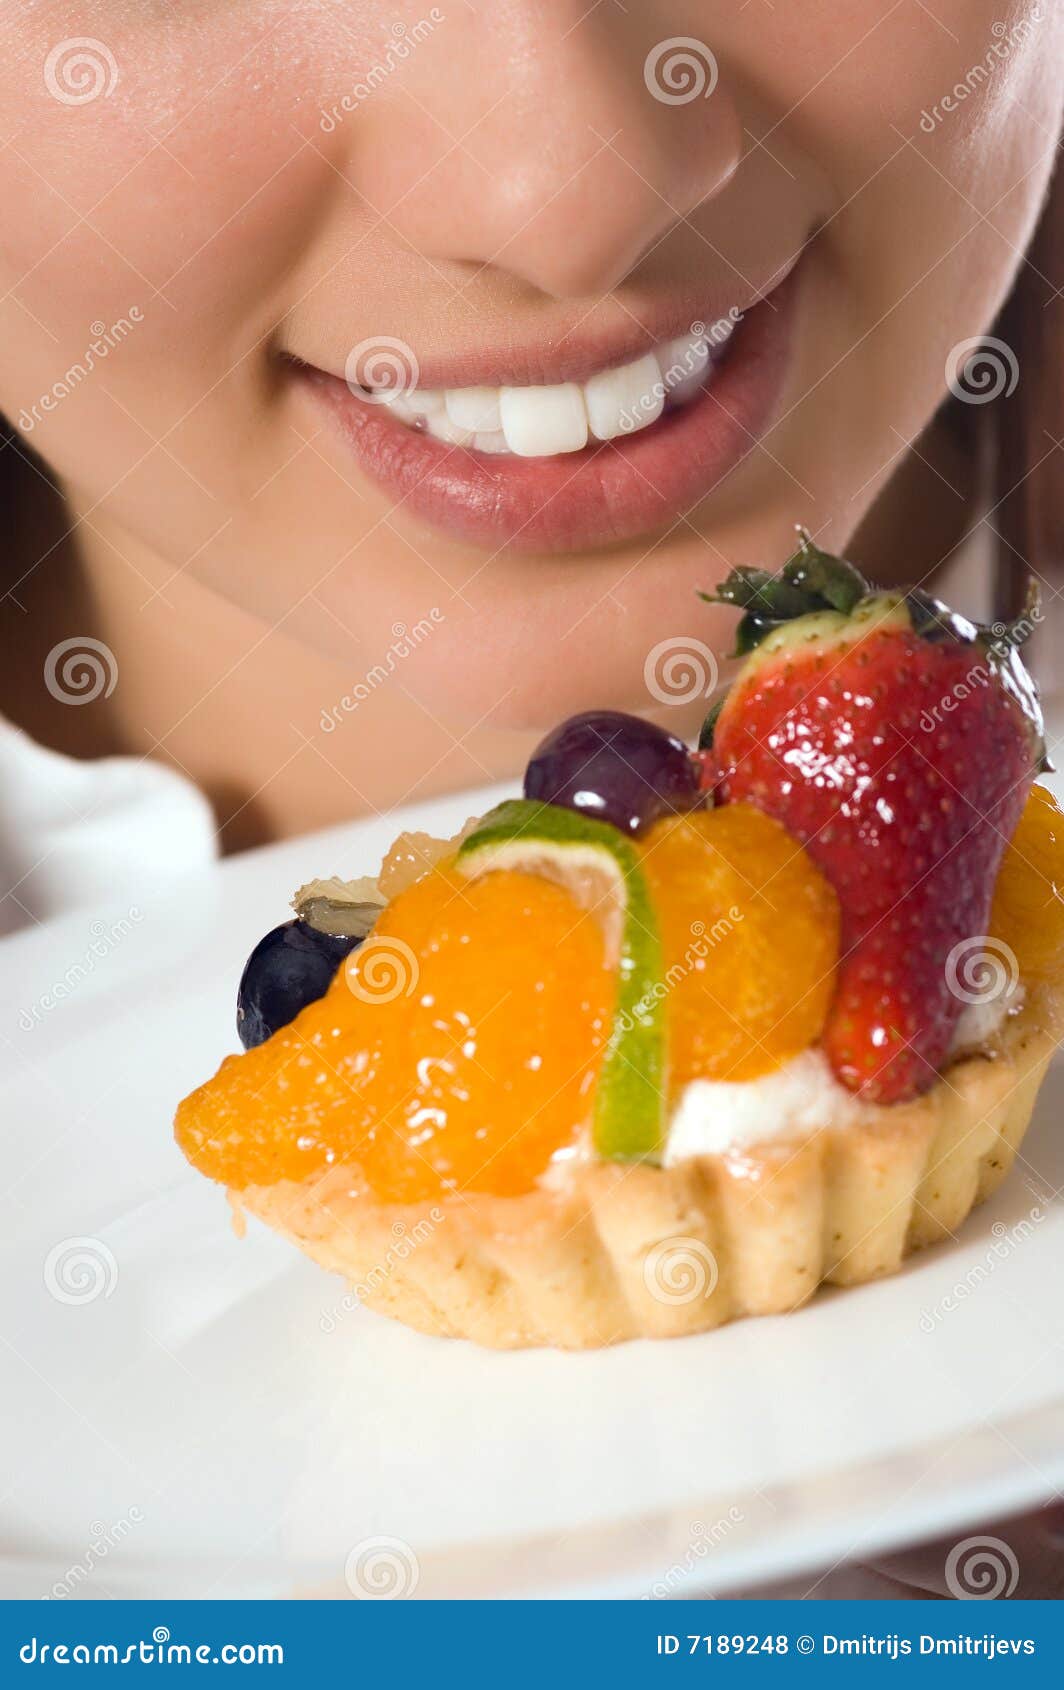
[{"x": 230, "y": 225}]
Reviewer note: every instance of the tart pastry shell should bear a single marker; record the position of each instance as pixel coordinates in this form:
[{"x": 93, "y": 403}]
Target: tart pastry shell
[{"x": 610, "y": 1251}]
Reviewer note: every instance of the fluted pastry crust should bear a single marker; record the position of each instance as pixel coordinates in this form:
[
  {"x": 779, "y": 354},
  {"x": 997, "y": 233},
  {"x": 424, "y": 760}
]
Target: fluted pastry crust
[{"x": 615, "y": 1252}]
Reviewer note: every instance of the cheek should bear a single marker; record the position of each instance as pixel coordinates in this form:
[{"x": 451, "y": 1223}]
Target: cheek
[
  {"x": 938, "y": 136},
  {"x": 943, "y": 130},
  {"x": 154, "y": 198},
  {"x": 870, "y": 77},
  {"x": 980, "y": 122}
]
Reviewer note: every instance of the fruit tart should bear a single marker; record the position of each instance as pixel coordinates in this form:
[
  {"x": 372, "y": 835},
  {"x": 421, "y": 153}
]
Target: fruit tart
[{"x": 677, "y": 1035}]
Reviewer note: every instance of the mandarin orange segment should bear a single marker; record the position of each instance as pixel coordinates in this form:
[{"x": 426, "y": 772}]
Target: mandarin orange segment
[
  {"x": 457, "y": 1050},
  {"x": 750, "y": 931},
  {"x": 1027, "y": 913}
]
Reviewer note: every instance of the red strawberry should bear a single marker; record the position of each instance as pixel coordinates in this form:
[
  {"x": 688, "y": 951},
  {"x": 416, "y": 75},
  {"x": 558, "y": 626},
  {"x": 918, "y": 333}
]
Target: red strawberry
[
  {"x": 706, "y": 771},
  {"x": 898, "y": 742}
]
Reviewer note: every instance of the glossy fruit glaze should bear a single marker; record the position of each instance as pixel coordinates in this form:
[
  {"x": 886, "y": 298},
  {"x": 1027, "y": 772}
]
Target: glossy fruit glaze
[
  {"x": 615, "y": 768},
  {"x": 456, "y": 1051},
  {"x": 289, "y": 968},
  {"x": 1027, "y": 913},
  {"x": 750, "y": 933},
  {"x": 460, "y": 1047},
  {"x": 903, "y": 777}
]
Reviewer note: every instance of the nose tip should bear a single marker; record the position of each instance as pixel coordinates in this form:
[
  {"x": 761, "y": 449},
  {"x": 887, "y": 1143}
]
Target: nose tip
[
  {"x": 578, "y": 225},
  {"x": 598, "y": 148}
]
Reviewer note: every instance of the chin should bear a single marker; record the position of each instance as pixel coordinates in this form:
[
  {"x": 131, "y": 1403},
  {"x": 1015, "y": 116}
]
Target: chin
[{"x": 529, "y": 676}]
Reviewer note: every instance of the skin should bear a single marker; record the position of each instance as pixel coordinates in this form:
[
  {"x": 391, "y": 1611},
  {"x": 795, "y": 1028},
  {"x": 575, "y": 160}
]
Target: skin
[{"x": 509, "y": 183}]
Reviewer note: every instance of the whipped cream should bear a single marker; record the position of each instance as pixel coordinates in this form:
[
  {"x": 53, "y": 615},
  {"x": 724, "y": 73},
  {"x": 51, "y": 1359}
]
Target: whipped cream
[
  {"x": 714, "y": 1116},
  {"x": 981, "y": 1020},
  {"x": 717, "y": 1116}
]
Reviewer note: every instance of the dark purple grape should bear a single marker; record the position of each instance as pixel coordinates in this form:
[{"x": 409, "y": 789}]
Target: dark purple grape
[
  {"x": 613, "y": 767},
  {"x": 291, "y": 967}
]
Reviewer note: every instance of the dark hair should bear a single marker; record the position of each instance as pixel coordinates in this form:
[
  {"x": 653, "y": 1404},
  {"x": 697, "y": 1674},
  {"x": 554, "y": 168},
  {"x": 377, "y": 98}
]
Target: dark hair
[{"x": 1026, "y": 428}]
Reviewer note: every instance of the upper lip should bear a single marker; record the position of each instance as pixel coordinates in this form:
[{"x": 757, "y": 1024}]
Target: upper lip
[{"x": 572, "y": 352}]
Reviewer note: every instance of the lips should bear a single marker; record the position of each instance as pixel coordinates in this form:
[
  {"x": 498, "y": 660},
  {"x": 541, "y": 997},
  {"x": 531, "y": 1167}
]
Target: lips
[{"x": 600, "y": 494}]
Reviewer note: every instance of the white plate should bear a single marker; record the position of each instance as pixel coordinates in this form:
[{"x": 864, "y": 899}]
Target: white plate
[{"x": 212, "y": 1423}]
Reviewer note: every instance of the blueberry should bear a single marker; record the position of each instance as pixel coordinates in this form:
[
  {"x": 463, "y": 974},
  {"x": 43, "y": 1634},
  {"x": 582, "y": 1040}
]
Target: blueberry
[{"x": 291, "y": 967}]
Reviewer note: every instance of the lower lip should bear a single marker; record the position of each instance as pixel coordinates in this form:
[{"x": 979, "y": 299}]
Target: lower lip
[{"x": 609, "y": 492}]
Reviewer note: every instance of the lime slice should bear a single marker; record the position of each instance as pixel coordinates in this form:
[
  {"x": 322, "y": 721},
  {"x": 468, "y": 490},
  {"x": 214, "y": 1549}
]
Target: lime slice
[{"x": 597, "y": 865}]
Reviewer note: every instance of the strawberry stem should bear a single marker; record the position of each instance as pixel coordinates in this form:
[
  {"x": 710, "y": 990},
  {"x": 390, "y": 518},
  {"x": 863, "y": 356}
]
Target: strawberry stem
[{"x": 810, "y": 581}]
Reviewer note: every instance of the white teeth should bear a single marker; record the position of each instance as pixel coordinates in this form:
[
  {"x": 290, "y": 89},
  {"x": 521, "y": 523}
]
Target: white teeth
[
  {"x": 476, "y": 408},
  {"x": 541, "y": 421},
  {"x": 683, "y": 366},
  {"x": 400, "y": 406},
  {"x": 624, "y": 400},
  {"x": 411, "y": 406},
  {"x": 440, "y": 426}
]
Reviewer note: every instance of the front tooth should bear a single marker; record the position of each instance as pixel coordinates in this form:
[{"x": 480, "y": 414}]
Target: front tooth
[
  {"x": 683, "y": 366},
  {"x": 426, "y": 400},
  {"x": 540, "y": 422},
  {"x": 493, "y": 441},
  {"x": 475, "y": 408},
  {"x": 440, "y": 426},
  {"x": 400, "y": 405},
  {"x": 624, "y": 400}
]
